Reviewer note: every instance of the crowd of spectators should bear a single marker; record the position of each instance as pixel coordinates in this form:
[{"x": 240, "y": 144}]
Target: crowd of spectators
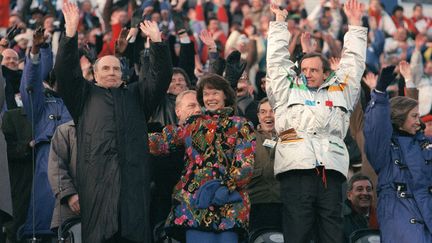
[{"x": 40, "y": 108}]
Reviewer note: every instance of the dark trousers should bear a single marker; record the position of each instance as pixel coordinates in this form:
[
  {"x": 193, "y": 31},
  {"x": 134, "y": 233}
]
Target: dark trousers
[
  {"x": 265, "y": 215},
  {"x": 310, "y": 208},
  {"x": 118, "y": 239}
]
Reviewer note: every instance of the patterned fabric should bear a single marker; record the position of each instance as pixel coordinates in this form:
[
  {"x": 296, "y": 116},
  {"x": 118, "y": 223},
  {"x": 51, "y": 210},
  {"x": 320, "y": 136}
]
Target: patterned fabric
[{"x": 218, "y": 146}]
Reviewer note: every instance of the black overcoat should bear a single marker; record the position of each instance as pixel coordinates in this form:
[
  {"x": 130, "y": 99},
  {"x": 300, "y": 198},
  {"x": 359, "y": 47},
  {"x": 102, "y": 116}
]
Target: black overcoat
[{"x": 112, "y": 145}]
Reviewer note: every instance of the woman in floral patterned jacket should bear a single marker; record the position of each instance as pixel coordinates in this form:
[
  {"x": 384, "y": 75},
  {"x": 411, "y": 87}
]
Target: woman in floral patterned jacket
[{"x": 210, "y": 202}]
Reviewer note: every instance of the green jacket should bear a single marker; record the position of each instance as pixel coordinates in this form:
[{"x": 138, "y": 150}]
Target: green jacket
[{"x": 263, "y": 187}]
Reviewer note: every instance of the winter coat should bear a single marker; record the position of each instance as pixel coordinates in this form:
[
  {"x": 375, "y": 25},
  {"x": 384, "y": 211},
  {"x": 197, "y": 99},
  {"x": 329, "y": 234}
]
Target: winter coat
[
  {"x": 165, "y": 112},
  {"x": 403, "y": 165},
  {"x": 62, "y": 171},
  {"x": 5, "y": 190},
  {"x": 18, "y": 134},
  {"x": 263, "y": 187},
  {"x": 112, "y": 168},
  {"x": 354, "y": 221},
  {"x": 313, "y": 122},
  {"x": 218, "y": 146},
  {"x": 47, "y": 111},
  {"x": 12, "y": 79}
]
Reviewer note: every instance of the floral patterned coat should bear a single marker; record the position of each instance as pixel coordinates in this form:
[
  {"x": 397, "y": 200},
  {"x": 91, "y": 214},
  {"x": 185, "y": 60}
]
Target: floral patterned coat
[{"x": 218, "y": 146}]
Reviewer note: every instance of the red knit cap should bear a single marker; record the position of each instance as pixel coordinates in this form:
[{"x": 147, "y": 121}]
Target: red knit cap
[{"x": 427, "y": 118}]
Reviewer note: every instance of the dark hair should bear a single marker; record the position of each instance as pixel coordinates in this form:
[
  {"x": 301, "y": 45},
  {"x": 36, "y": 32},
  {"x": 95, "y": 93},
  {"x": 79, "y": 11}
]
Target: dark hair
[
  {"x": 357, "y": 177},
  {"x": 214, "y": 81},
  {"x": 182, "y": 72},
  {"x": 417, "y": 5},
  {"x": 262, "y": 101},
  {"x": 397, "y": 8},
  {"x": 324, "y": 60},
  {"x": 400, "y": 107}
]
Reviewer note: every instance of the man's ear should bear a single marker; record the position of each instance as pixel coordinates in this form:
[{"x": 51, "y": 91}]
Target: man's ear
[
  {"x": 177, "y": 112},
  {"x": 349, "y": 194}
]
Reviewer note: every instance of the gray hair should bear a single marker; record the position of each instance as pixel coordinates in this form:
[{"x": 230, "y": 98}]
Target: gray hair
[{"x": 182, "y": 94}]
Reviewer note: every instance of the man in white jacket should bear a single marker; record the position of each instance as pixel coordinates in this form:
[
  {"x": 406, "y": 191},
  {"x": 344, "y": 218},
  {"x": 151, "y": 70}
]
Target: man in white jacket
[{"x": 312, "y": 113}]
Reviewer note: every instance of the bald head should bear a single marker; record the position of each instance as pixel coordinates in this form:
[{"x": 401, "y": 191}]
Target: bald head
[
  {"x": 107, "y": 72},
  {"x": 10, "y": 59}
]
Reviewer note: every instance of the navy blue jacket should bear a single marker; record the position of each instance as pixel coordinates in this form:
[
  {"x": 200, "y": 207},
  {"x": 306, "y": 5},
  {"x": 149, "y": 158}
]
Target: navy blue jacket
[
  {"x": 48, "y": 112},
  {"x": 404, "y": 166}
]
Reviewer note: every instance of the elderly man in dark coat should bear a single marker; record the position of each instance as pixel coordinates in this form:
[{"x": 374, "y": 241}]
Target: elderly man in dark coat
[{"x": 112, "y": 149}]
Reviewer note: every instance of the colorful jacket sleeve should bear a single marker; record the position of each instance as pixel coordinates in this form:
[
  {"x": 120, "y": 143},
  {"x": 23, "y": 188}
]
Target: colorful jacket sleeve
[
  {"x": 378, "y": 131},
  {"x": 240, "y": 171},
  {"x": 166, "y": 141}
]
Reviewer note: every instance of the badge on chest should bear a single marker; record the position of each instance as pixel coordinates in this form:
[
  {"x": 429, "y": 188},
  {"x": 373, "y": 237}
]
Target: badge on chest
[{"x": 269, "y": 143}]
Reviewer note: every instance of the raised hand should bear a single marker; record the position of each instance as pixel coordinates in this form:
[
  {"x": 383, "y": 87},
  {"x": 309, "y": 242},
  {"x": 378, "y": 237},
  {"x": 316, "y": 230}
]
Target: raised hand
[
  {"x": 207, "y": 38},
  {"x": 306, "y": 43},
  {"x": 386, "y": 77},
  {"x": 280, "y": 14},
  {"x": 370, "y": 79},
  {"x": 354, "y": 12},
  {"x": 334, "y": 63},
  {"x": 234, "y": 68},
  {"x": 71, "y": 15},
  {"x": 39, "y": 38},
  {"x": 122, "y": 42},
  {"x": 405, "y": 70},
  {"x": 151, "y": 29}
]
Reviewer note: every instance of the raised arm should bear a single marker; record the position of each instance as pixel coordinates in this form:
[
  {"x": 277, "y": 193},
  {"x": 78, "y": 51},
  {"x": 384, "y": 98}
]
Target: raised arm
[
  {"x": 159, "y": 71},
  {"x": 279, "y": 72},
  {"x": 377, "y": 125},
  {"x": 70, "y": 82},
  {"x": 353, "y": 58},
  {"x": 31, "y": 87}
]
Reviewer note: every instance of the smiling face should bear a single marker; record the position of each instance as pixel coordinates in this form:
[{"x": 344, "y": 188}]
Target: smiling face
[
  {"x": 214, "y": 99},
  {"x": 266, "y": 117},
  {"x": 107, "y": 72},
  {"x": 178, "y": 84},
  {"x": 313, "y": 70},
  {"x": 10, "y": 59},
  {"x": 361, "y": 196},
  {"x": 412, "y": 122},
  {"x": 187, "y": 106}
]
